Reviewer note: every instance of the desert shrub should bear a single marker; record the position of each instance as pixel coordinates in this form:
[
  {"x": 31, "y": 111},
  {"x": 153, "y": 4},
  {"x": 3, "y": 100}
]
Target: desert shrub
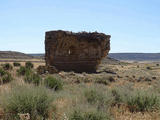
[
  {"x": 133, "y": 76},
  {"x": 140, "y": 79},
  {"x": 28, "y": 76},
  {"x": 41, "y": 69},
  {"x": 76, "y": 115},
  {"x": 117, "y": 96},
  {"x": 147, "y": 79},
  {"x": 121, "y": 93},
  {"x": 7, "y": 66},
  {"x": 140, "y": 101},
  {"x": 53, "y": 83},
  {"x": 99, "y": 98},
  {"x": 34, "y": 78},
  {"x": 86, "y": 80},
  {"x": 23, "y": 70},
  {"x": 154, "y": 78},
  {"x": 111, "y": 79},
  {"x": 91, "y": 115},
  {"x": 7, "y": 78},
  {"x": 93, "y": 96},
  {"x": 155, "y": 88},
  {"x": 136, "y": 100},
  {"x": 16, "y": 64},
  {"x": 149, "y": 68},
  {"x": 2, "y": 72},
  {"x": 29, "y": 65},
  {"x": 119, "y": 76},
  {"x": 102, "y": 81},
  {"x": 26, "y": 99},
  {"x": 95, "y": 116}
]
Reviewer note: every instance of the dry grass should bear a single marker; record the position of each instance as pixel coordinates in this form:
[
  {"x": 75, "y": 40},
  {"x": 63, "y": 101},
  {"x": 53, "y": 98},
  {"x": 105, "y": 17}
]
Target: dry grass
[
  {"x": 122, "y": 113},
  {"x": 36, "y": 62},
  {"x": 75, "y": 84}
]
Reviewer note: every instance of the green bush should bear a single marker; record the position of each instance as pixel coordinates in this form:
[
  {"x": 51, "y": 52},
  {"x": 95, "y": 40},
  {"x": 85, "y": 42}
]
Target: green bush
[
  {"x": 28, "y": 76},
  {"x": 76, "y": 115},
  {"x": 29, "y": 65},
  {"x": 7, "y": 66},
  {"x": 2, "y": 72},
  {"x": 148, "y": 79},
  {"x": 95, "y": 116},
  {"x": 26, "y": 99},
  {"x": 102, "y": 98},
  {"x": 141, "y": 101},
  {"x": 7, "y": 78},
  {"x": 23, "y": 70},
  {"x": 16, "y": 64},
  {"x": 91, "y": 115},
  {"x": 53, "y": 83},
  {"x": 117, "y": 96},
  {"x": 136, "y": 100},
  {"x": 121, "y": 93},
  {"x": 149, "y": 68},
  {"x": 102, "y": 81},
  {"x": 31, "y": 77},
  {"x": 93, "y": 96}
]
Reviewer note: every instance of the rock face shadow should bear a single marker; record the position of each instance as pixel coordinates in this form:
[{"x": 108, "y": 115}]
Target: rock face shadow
[{"x": 78, "y": 52}]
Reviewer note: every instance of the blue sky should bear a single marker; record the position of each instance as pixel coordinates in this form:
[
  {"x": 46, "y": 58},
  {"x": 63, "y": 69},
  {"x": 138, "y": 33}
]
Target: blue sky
[{"x": 133, "y": 24}]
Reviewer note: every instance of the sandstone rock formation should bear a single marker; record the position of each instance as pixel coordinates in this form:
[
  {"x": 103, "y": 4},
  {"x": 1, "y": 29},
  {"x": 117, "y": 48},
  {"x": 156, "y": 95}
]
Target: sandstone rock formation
[{"x": 79, "y": 52}]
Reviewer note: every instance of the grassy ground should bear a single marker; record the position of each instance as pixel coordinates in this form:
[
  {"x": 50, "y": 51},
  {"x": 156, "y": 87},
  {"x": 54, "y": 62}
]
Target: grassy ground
[{"x": 126, "y": 91}]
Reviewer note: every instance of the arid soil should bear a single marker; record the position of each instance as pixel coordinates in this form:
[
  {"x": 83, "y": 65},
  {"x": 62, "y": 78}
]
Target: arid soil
[{"x": 109, "y": 75}]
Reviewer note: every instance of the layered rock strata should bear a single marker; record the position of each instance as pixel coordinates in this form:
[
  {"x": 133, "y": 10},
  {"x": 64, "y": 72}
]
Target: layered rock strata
[{"x": 79, "y": 52}]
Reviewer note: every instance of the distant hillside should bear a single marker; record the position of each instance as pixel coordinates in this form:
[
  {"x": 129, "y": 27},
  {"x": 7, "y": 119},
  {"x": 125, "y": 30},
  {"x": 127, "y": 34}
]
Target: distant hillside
[
  {"x": 125, "y": 56},
  {"x": 136, "y": 56},
  {"x": 112, "y": 56},
  {"x": 38, "y": 55},
  {"x": 14, "y": 55}
]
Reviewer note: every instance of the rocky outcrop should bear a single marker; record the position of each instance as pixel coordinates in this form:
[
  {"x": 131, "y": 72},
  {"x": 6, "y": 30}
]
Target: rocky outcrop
[{"x": 79, "y": 52}]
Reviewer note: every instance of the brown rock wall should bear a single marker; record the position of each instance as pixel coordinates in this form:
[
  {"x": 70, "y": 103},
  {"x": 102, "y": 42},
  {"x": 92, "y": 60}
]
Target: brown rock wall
[{"x": 79, "y": 52}]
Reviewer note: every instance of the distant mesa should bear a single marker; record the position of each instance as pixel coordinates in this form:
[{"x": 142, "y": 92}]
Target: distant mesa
[
  {"x": 79, "y": 52},
  {"x": 14, "y": 55},
  {"x": 151, "y": 57}
]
